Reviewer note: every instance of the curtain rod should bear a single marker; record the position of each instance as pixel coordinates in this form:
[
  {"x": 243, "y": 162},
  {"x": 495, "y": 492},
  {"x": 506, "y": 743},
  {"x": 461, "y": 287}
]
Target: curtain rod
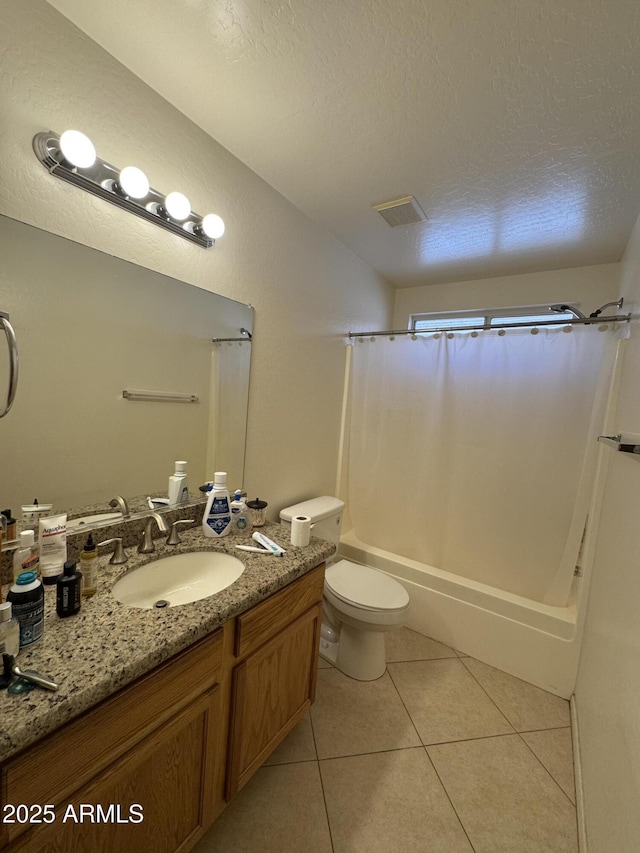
[{"x": 578, "y": 321}]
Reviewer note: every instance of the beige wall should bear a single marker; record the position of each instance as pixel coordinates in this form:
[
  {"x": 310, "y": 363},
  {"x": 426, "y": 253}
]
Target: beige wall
[
  {"x": 608, "y": 686},
  {"x": 588, "y": 287},
  {"x": 306, "y": 287}
]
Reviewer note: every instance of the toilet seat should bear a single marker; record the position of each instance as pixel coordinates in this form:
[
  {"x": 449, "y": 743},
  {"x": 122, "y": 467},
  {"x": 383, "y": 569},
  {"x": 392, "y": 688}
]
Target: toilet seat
[{"x": 365, "y": 588}]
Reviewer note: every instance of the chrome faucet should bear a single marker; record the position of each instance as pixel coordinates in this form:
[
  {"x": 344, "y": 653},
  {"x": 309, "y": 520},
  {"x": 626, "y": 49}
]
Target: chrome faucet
[
  {"x": 147, "y": 546},
  {"x": 119, "y": 556},
  {"x": 121, "y": 504},
  {"x": 173, "y": 538}
]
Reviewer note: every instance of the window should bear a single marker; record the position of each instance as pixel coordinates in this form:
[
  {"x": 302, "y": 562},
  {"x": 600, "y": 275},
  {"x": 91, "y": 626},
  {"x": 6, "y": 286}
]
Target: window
[{"x": 532, "y": 314}]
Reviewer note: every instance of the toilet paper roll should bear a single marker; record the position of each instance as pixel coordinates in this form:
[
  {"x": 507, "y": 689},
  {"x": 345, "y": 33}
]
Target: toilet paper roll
[{"x": 300, "y": 530}]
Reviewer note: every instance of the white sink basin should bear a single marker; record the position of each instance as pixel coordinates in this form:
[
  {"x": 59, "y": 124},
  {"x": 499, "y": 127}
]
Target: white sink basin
[
  {"x": 178, "y": 579},
  {"x": 73, "y": 523}
]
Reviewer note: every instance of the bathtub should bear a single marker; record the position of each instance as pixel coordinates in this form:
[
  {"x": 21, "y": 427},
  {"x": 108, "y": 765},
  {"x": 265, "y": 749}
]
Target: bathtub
[{"x": 533, "y": 641}]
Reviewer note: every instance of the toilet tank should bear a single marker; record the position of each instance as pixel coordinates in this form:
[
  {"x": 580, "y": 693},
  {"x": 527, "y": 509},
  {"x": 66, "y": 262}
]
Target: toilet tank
[{"x": 325, "y": 514}]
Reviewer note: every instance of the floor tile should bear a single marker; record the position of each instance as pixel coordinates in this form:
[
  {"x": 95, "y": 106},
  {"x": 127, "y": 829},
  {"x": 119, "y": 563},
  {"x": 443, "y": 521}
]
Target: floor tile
[
  {"x": 445, "y": 702},
  {"x": 525, "y": 706},
  {"x": 506, "y": 800},
  {"x": 297, "y": 746},
  {"x": 404, "y": 644},
  {"x": 352, "y": 717},
  {"x": 281, "y": 810},
  {"x": 554, "y": 748},
  {"x": 387, "y": 802}
]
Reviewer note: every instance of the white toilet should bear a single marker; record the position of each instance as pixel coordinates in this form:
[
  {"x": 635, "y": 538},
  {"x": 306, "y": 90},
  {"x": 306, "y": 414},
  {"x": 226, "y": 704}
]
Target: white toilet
[{"x": 360, "y": 603}]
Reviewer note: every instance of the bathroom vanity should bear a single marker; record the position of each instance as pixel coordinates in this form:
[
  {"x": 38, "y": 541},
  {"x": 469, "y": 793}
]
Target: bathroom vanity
[{"x": 200, "y": 695}]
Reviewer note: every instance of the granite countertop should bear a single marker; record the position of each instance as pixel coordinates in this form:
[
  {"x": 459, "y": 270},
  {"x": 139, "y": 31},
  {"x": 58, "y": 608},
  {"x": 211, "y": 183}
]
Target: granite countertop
[{"x": 107, "y": 645}]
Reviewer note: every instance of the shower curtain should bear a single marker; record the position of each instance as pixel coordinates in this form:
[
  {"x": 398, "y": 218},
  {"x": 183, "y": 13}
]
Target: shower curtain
[{"x": 475, "y": 454}]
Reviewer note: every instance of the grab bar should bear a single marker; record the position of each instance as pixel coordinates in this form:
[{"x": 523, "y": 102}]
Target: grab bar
[{"x": 7, "y": 328}]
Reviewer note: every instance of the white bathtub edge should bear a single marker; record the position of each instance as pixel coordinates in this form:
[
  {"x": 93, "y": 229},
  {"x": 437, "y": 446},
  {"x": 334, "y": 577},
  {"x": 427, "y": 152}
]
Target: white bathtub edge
[{"x": 535, "y": 642}]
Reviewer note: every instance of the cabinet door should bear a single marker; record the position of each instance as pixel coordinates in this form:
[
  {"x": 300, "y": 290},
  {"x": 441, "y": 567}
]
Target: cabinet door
[
  {"x": 68, "y": 760},
  {"x": 271, "y": 690},
  {"x": 167, "y": 780}
]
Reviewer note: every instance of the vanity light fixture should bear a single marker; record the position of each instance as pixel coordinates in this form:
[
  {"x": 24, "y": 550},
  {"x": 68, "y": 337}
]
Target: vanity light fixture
[
  {"x": 72, "y": 157},
  {"x": 133, "y": 182},
  {"x": 177, "y": 206},
  {"x": 77, "y": 149}
]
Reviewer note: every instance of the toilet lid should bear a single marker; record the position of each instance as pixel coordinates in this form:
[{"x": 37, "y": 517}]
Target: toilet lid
[{"x": 365, "y": 587}]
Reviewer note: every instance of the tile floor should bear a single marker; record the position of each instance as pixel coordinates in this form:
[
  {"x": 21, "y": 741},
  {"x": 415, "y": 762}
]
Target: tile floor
[{"x": 441, "y": 754}]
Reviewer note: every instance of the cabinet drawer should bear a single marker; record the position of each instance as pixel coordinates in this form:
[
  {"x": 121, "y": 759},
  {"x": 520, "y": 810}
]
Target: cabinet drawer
[
  {"x": 60, "y": 764},
  {"x": 272, "y": 615}
]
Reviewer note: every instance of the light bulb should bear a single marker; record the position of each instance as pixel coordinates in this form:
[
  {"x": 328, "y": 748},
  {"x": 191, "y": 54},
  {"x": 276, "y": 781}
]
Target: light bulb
[
  {"x": 177, "y": 206},
  {"x": 78, "y": 149},
  {"x": 133, "y": 182},
  {"x": 213, "y": 226}
]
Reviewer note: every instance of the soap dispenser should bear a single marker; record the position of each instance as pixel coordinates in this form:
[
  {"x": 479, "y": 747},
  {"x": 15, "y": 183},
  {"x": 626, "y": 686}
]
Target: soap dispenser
[{"x": 241, "y": 522}]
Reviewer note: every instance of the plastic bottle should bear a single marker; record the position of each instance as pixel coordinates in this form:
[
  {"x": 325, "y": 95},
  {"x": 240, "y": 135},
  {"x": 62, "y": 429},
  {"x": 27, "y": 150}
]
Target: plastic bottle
[
  {"x": 89, "y": 567},
  {"x": 9, "y": 631},
  {"x": 68, "y": 590},
  {"x": 178, "y": 488},
  {"x": 216, "y": 520},
  {"x": 241, "y": 523},
  {"x": 27, "y": 599},
  {"x": 26, "y": 558}
]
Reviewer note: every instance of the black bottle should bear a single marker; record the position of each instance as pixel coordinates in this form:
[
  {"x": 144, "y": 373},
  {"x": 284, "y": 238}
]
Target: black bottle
[{"x": 68, "y": 590}]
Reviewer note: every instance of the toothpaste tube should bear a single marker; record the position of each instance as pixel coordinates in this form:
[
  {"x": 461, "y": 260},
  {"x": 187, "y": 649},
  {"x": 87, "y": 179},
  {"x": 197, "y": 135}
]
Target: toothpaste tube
[{"x": 267, "y": 543}]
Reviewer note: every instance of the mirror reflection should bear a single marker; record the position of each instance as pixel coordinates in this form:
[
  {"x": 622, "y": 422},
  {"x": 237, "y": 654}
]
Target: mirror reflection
[{"x": 90, "y": 326}]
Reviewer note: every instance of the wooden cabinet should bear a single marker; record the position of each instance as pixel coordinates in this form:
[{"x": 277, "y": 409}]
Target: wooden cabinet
[
  {"x": 275, "y": 682},
  {"x": 151, "y": 767},
  {"x": 157, "y": 797},
  {"x": 154, "y": 744}
]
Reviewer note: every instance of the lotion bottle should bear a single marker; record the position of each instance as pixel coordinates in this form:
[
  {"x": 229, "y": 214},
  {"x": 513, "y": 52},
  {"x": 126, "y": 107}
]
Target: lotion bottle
[
  {"x": 178, "y": 488},
  {"x": 216, "y": 520},
  {"x": 26, "y": 558}
]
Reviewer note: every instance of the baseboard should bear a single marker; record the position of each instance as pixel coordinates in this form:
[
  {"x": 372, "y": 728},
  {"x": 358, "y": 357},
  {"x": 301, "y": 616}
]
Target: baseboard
[{"x": 577, "y": 770}]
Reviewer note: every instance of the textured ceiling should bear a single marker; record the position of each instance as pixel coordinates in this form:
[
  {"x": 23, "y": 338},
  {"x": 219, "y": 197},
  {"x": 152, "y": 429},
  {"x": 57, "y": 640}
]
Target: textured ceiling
[{"x": 515, "y": 123}]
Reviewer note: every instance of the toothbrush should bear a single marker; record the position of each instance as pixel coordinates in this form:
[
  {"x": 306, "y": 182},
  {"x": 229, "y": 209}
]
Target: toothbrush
[
  {"x": 257, "y": 550},
  {"x": 263, "y": 540}
]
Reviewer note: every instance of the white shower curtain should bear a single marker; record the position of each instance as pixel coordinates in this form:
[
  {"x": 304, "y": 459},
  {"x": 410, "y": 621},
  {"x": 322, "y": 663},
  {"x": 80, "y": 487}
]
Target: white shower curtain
[{"x": 473, "y": 454}]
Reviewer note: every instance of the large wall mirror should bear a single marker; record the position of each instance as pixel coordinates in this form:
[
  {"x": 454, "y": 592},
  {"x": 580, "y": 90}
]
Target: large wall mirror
[{"x": 90, "y": 326}]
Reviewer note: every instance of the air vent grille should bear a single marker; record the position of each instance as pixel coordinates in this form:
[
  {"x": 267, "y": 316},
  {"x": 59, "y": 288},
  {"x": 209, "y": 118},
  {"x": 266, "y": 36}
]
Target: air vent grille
[{"x": 402, "y": 211}]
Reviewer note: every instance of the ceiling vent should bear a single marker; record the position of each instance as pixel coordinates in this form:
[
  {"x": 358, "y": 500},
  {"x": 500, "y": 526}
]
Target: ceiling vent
[{"x": 402, "y": 211}]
